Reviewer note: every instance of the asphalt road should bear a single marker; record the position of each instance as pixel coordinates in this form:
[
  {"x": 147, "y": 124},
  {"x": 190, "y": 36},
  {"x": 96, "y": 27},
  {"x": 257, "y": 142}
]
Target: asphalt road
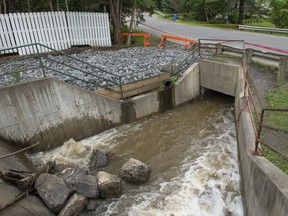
[{"x": 273, "y": 44}]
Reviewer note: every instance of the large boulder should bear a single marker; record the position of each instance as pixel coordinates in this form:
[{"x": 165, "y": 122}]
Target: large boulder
[
  {"x": 69, "y": 175},
  {"x": 109, "y": 185},
  {"x": 53, "y": 191},
  {"x": 97, "y": 159},
  {"x": 87, "y": 186},
  {"x": 75, "y": 206},
  {"x": 135, "y": 171},
  {"x": 97, "y": 205}
]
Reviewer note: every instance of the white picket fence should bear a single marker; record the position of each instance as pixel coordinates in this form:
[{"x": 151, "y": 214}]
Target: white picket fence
[{"x": 58, "y": 30}]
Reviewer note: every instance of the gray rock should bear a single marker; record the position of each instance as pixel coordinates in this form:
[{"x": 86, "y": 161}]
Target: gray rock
[
  {"x": 97, "y": 205},
  {"x": 109, "y": 185},
  {"x": 135, "y": 171},
  {"x": 75, "y": 206},
  {"x": 69, "y": 175},
  {"x": 87, "y": 186},
  {"x": 97, "y": 159},
  {"x": 53, "y": 191},
  {"x": 141, "y": 62}
]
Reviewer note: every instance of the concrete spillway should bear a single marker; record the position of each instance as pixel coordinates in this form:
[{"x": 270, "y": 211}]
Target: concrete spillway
[{"x": 51, "y": 111}]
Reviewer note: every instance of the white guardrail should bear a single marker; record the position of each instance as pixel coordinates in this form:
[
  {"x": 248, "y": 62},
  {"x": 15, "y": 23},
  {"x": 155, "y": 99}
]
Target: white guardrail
[{"x": 265, "y": 29}]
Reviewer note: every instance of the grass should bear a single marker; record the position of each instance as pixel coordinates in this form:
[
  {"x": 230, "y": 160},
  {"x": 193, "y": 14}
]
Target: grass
[
  {"x": 139, "y": 41},
  {"x": 261, "y": 23},
  {"x": 277, "y": 160},
  {"x": 278, "y": 99},
  {"x": 16, "y": 76},
  {"x": 205, "y": 24},
  {"x": 250, "y": 22}
]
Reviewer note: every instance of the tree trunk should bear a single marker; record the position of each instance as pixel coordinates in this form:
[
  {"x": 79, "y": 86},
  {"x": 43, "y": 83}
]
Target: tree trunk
[
  {"x": 66, "y": 4},
  {"x": 51, "y": 5},
  {"x": 159, "y": 4},
  {"x": 57, "y": 5},
  {"x": 28, "y": 6},
  {"x": 131, "y": 23},
  {"x": 241, "y": 12},
  {"x": 115, "y": 9},
  {"x": 4, "y": 7}
]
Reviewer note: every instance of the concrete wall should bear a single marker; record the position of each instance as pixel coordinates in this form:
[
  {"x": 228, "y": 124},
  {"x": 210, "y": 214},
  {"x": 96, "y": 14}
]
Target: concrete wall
[
  {"x": 52, "y": 111},
  {"x": 185, "y": 90},
  {"x": 187, "y": 86},
  {"x": 218, "y": 76},
  {"x": 264, "y": 186}
]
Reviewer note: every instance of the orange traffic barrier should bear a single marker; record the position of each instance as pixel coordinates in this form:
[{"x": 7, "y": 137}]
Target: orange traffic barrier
[
  {"x": 186, "y": 40},
  {"x": 146, "y": 37}
]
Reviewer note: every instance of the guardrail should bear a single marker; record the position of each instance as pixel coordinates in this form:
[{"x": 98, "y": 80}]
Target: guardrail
[{"x": 264, "y": 29}]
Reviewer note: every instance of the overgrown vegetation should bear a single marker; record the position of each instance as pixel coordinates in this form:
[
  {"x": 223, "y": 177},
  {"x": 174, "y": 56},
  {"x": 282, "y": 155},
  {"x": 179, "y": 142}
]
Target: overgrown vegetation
[
  {"x": 214, "y": 13},
  {"x": 278, "y": 99},
  {"x": 276, "y": 159},
  {"x": 15, "y": 76}
]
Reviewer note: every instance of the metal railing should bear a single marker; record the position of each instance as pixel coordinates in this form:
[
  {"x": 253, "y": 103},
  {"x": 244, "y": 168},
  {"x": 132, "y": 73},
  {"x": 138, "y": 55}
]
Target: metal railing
[
  {"x": 263, "y": 29},
  {"x": 80, "y": 72},
  {"x": 179, "y": 68},
  {"x": 256, "y": 112},
  {"x": 261, "y": 126},
  {"x": 77, "y": 72}
]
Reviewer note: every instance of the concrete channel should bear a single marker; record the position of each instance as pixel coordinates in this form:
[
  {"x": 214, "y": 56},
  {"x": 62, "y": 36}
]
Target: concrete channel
[{"x": 52, "y": 111}]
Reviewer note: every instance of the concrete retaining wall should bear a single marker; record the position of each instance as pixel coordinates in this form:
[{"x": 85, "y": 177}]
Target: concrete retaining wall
[
  {"x": 264, "y": 186},
  {"x": 218, "y": 76},
  {"x": 52, "y": 111},
  {"x": 187, "y": 86}
]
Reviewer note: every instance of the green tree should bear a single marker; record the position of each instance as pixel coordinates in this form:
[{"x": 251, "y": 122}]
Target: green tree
[{"x": 279, "y": 13}]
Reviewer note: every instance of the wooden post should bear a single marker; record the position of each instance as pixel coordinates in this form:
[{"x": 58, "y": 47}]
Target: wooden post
[
  {"x": 249, "y": 55},
  {"x": 218, "y": 49},
  {"x": 283, "y": 69}
]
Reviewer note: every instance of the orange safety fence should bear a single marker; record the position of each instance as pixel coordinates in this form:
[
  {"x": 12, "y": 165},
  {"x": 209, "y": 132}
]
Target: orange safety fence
[
  {"x": 164, "y": 37},
  {"x": 146, "y": 37}
]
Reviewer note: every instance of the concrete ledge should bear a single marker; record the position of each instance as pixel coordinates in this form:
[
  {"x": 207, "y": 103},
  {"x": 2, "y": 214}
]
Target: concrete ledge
[
  {"x": 218, "y": 76},
  {"x": 264, "y": 186},
  {"x": 187, "y": 86}
]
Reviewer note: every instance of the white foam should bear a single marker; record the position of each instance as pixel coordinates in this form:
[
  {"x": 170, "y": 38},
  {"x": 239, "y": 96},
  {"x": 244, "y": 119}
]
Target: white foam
[{"x": 207, "y": 185}]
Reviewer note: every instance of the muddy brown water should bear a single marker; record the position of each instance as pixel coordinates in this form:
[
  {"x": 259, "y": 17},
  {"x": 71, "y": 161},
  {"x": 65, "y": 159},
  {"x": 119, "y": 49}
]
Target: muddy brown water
[{"x": 192, "y": 152}]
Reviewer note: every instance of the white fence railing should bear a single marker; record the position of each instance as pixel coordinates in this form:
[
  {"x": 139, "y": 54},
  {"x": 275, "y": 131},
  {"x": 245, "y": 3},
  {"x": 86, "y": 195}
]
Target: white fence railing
[{"x": 58, "y": 30}]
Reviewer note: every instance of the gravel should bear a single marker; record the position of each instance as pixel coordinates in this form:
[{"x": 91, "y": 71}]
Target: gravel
[{"x": 97, "y": 69}]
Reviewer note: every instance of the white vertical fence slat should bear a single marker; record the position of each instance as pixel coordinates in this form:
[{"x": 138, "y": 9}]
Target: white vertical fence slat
[
  {"x": 94, "y": 30},
  {"x": 38, "y": 26},
  {"x": 17, "y": 32},
  {"x": 107, "y": 30},
  {"x": 58, "y": 30},
  {"x": 6, "y": 34}
]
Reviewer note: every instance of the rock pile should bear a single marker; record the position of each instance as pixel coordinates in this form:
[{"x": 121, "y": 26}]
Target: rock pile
[
  {"x": 74, "y": 190},
  {"x": 130, "y": 64}
]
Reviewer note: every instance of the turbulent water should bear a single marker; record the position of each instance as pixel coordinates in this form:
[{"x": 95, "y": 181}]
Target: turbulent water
[{"x": 193, "y": 155}]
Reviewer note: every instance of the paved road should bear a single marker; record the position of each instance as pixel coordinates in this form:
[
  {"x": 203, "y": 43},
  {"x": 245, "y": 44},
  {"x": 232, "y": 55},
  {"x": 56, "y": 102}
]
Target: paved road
[{"x": 162, "y": 26}]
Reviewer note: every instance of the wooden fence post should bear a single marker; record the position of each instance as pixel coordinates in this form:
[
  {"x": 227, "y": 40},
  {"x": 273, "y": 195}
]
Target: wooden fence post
[
  {"x": 283, "y": 69},
  {"x": 249, "y": 55},
  {"x": 218, "y": 49}
]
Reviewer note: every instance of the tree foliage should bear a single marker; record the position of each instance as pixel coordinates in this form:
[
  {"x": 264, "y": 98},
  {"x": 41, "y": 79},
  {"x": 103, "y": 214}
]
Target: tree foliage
[
  {"x": 213, "y": 11},
  {"x": 279, "y": 14}
]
